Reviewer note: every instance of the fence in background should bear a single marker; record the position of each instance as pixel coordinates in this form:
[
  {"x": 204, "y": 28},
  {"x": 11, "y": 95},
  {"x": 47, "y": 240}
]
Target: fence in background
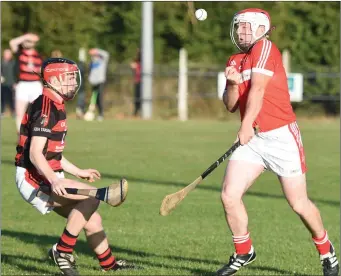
[{"x": 201, "y": 98}]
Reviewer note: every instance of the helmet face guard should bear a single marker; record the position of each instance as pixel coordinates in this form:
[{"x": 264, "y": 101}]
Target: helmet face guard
[
  {"x": 62, "y": 76},
  {"x": 244, "y": 26}
]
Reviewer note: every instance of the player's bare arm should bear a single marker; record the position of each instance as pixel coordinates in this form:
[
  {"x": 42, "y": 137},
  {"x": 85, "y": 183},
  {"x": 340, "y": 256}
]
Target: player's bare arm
[
  {"x": 89, "y": 174},
  {"x": 231, "y": 94},
  {"x": 253, "y": 106},
  {"x": 39, "y": 161},
  {"x": 15, "y": 42}
]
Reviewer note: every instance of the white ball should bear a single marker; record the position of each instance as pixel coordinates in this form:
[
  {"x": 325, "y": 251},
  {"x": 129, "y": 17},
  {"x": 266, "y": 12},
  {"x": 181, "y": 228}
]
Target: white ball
[
  {"x": 201, "y": 14},
  {"x": 89, "y": 116}
]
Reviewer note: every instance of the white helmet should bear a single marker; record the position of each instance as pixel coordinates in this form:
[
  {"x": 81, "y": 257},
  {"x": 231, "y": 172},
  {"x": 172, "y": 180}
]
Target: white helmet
[{"x": 256, "y": 18}]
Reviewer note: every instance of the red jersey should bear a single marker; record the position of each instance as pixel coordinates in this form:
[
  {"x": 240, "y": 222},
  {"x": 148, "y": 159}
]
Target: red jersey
[
  {"x": 265, "y": 58},
  {"x": 44, "y": 117}
]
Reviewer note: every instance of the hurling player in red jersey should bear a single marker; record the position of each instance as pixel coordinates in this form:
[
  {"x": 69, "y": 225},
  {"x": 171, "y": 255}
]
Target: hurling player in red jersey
[
  {"x": 39, "y": 161},
  {"x": 256, "y": 84}
]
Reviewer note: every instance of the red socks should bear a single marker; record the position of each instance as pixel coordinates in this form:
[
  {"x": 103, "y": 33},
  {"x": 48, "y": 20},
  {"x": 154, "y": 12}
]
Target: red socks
[
  {"x": 322, "y": 244},
  {"x": 66, "y": 242},
  {"x": 106, "y": 259},
  {"x": 242, "y": 244}
]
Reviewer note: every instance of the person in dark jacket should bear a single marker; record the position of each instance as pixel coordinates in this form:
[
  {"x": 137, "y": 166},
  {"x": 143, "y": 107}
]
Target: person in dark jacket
[
  {"x": 136, "y": 67},
  {"x": 80, "y": 109},
  {"x": 7, "y": 81}
]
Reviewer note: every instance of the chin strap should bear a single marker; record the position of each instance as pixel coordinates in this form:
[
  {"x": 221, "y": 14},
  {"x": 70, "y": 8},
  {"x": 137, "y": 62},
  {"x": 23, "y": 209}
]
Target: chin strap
[{"x": 271, "y": 29}]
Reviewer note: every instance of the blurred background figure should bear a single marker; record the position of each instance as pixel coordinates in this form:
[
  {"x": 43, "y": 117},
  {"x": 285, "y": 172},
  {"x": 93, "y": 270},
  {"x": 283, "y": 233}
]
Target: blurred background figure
[
  {"x": 27, "y": 84},
  {"x": 80, "y": 109},
  {"x": 136, "y": 67},
  {"x": 7, "y": 82},
  {"x": 56, "y": 54},
  {"x": 97, "y": 79}
]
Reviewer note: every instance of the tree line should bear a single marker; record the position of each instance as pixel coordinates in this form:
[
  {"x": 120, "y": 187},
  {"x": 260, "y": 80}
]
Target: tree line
[{"x": 309, "y": 30}]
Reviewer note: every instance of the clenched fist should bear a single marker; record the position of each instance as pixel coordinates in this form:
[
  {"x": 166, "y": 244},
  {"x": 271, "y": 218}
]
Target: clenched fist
[{"x": 232, "y": 75}]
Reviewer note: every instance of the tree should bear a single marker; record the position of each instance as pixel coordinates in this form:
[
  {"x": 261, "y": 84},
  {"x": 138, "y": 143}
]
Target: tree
[{"x": 310, "y": 30}]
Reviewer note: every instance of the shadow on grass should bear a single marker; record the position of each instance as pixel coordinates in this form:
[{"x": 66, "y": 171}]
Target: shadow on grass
[
  {"x": 181, "y": 185},
  {"x": 275, "y": 270},
  {"x": 21, "y": 262},
  {"x": 46, "y": 241}
]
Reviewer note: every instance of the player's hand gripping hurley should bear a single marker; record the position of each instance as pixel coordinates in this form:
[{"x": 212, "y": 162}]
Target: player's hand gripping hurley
[
  {"x": 170, "y": 202},
  {"x": 114, "y": 195}
]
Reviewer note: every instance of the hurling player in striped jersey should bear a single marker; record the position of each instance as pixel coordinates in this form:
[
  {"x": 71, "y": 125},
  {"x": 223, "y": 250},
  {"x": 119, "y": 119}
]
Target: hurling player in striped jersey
[{"x": 40, "y": 161}]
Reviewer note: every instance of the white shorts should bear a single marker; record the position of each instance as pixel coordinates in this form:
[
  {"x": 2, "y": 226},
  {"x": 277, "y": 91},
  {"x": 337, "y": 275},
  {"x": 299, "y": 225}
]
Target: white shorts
[
  {"x": 279, "y": 150},
  {"x": 29, "y": 193},
  {"x": 28, "y": 91}
]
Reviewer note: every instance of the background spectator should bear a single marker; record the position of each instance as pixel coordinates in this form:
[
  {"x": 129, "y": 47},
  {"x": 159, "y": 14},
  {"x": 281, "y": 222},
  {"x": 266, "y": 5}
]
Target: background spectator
[
  {"x": 80, "y": 109},
  {"x": 7, "y": 81},
  {"x": 97, "y": 79},
  {"x": 28, "y": 85},
  {"x": 56, "y": 54},
  {"x": 136, "y": 66}
]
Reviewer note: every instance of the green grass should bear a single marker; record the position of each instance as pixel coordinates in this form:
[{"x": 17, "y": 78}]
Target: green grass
[{"x": 158, "y": 158}]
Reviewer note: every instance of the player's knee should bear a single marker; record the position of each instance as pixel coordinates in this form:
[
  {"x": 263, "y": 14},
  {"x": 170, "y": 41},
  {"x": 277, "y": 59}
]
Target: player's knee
[
  {"x": 92, "y": 204},
  {"x": 94, "y": 223},
  {"x": 300, "y": 206},
  {"x": 229, "y": 201}
]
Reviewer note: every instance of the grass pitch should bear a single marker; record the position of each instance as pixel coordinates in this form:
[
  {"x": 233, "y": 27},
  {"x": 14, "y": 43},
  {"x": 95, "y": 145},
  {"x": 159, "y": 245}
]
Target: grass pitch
[{"x": 159, "y": 158}]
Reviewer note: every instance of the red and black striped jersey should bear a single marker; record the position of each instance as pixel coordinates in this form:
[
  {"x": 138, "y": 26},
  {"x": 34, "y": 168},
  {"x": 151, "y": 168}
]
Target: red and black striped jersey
[
  {"x": 27, "y": 62},
  {"x": 44, "y": 117}
]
